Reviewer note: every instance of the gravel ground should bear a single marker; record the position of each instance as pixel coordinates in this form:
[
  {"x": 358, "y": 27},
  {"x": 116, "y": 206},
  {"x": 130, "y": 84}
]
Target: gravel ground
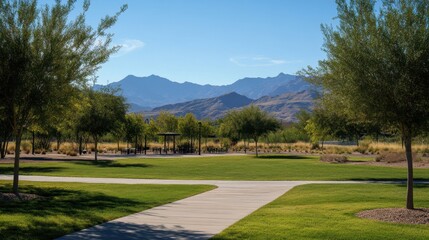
[{"x": 398, "y": 215}]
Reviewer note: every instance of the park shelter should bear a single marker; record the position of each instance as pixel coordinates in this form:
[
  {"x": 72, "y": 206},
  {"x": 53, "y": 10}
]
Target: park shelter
[{"x": 169, "y": 134}]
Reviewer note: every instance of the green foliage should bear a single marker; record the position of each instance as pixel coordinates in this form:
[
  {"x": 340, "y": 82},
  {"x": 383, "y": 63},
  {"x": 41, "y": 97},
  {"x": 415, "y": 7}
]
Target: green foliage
[
  {"x": 378, "y": 66},
  {"x": 151, "y": 130},
  {"x": 207, "y": 129},
  {"x": 188, "y": 126},
  {"x": 167, "y": 122},
  {"x": 104, "y": 111},
  {"x": 46, "y": 56},
  {"x": 250, "y": 122},
  {"x": 134, "y": 127}
]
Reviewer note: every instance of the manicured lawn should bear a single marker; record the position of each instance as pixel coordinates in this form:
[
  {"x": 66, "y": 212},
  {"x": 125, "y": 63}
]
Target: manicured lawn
[
  {"x": 73, "y": 206},
  {"x": 328, "y": 212},
  {"x": 276, "y": 167}
]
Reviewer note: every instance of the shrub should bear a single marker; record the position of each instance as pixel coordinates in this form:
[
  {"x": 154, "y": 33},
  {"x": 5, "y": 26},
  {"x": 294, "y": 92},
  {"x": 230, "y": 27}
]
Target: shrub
[
  {"x": 391, "y": 157},
  {"x": 332, "y": 158},
  {"x": 25, "y": 146},
  {"x": 361, "y": 149},
  {"x": 72, "y": 153}
]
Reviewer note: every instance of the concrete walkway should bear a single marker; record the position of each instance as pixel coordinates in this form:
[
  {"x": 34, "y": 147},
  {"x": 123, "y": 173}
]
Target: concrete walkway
[{"x": 197, "y": 217}]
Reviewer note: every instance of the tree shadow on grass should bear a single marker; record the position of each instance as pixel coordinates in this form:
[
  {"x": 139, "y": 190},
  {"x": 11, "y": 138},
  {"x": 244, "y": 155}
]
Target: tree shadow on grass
[
  {"x": 34, "y": 169},
  {"x": 391, "y": 180},
  {"x": 285, "y": 157},
  {"x": 416, "y": 185},
  {"x": 62, "y": 212},
  {"x": 110, "y": 163}
]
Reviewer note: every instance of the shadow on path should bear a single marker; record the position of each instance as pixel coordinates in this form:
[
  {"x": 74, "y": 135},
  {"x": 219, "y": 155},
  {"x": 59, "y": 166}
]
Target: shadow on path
[{"x": 130, "y": 231}]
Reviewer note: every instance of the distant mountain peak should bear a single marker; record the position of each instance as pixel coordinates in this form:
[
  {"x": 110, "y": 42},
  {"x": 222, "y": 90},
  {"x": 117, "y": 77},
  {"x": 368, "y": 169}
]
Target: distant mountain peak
[{"x": 154, "y": 91}]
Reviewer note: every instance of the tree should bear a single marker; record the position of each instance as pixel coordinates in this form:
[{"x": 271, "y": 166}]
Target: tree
[
  {"x": 101, "y": 117},
  {"x": 188, "y": 127},
  {"x": 207, "y": 130},
  {"x": 167, "y": 122},
  {"x": 134, "y": 127},
  {"x": 377, "y": 66},
  {"x": 44, "y": 56},
  {"x": 251, "y": 122},
  {"x": 5, "y": 133},
  {"x": 230, "y": 126}
]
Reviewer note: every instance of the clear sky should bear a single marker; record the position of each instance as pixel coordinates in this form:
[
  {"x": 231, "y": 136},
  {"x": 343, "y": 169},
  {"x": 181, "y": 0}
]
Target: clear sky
[{"x": 213, "y": 41}]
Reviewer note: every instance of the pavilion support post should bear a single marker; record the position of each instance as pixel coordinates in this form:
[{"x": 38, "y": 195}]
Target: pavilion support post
[
  {"x": 174, "y": 144},
  {"x": 165, "y": 144}
]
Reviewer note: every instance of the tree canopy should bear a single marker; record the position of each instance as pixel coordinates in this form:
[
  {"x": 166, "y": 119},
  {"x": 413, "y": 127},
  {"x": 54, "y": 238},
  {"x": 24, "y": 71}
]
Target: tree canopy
[
  {"x": 45, "y": 56},
  {"x": 377, "y": 66},
  {"x": 104, "y": 111},
  {"x": 250, "y": 122}
]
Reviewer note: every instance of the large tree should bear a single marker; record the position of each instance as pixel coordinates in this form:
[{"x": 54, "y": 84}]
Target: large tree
[
  {"x": 104, "y": 112},
  {"x": 134, "y": 128},
  {"x": 250, "y": 122},
  {"x": 377, "y": 66},
  {"x": 44, "y": 55},
  {"x": 188, "y": 127}
]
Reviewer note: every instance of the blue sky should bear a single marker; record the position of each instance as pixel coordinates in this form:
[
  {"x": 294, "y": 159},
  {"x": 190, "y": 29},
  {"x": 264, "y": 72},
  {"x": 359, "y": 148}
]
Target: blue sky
[{"x": 213, "y": 41}]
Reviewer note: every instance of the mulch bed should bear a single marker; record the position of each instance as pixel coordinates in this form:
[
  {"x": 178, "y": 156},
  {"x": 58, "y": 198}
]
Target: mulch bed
[
  {"x": 12, "y": 197},
  {"x": 398, "y": 215}
]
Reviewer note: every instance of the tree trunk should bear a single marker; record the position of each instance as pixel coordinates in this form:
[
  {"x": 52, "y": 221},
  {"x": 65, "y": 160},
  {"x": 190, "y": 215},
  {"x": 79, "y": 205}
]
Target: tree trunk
[
  {"x": 244, "y": 144},
  {"x": 3, "y": 148},
  {"x": 16, "y": 163},
  {"x": 58, "y": 143},
  {"x": 32, "y": 144},
  {"x": 408, "y": 153},
  {"x": 80, "y": 145},
  {"x": 135, "y": 147},
  {"x": 96, "y": 148},
  {"x": 256, "y": 143}
]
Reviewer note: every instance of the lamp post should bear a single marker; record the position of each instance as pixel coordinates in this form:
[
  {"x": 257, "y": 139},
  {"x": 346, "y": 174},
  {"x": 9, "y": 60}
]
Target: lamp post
[
  {"x": 145, "y": 134},
  {"x": 199, "y": 138}
]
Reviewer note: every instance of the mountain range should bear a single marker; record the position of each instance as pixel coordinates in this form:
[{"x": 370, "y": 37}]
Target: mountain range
[
  {"x": 282, "y": 96},
  {"x": 155, "y": 91},
  {"x": 283, "y": 107}
]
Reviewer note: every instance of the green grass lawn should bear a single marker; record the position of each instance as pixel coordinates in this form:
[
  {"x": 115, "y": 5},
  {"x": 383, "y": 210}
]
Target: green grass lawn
[
  {"x": 73, "y": 206},
  {"x": 328, "y": 212},
  {"x": 276, "y": 167}
]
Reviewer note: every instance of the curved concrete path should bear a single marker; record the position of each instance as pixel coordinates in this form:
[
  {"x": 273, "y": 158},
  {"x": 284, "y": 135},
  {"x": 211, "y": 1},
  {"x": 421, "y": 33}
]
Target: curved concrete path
[{"x": 198, "y": 217}]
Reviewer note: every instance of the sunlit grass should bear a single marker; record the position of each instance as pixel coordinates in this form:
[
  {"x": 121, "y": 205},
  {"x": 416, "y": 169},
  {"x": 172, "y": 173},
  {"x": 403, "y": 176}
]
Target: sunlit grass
[
  {"x": 74, "y": 206},
  {"x": 328, "y": 212},
  {"x": 268, "y": 167}
]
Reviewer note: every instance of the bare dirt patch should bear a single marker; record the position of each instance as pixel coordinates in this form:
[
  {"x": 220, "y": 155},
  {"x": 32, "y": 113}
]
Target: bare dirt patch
[
  {"x": 397, "y": 215},
  {"x": 333, "y": 158},
  {"x": 12, "y": 197},
  {"x": 403, "y": 164}
]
